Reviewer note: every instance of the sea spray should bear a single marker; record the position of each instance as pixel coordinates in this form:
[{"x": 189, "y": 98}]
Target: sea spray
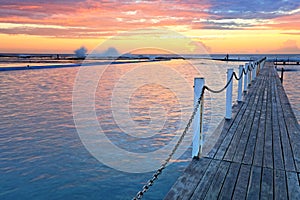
[{"x": 81, "y": 52}]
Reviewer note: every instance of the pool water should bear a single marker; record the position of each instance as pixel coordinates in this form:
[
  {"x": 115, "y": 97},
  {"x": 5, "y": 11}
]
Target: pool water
[{"x": 42, "y": 156}]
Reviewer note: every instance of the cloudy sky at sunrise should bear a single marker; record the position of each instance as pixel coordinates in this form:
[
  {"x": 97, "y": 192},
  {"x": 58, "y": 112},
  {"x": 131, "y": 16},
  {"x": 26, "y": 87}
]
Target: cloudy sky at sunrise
[{"x": 223, "y": 26}]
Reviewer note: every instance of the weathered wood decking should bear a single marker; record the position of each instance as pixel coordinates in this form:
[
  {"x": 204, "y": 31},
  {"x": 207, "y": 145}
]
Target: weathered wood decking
[{"x": 257, "y": 155}]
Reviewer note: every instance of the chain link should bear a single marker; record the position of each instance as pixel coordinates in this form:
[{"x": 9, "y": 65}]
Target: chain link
[{"x": 150, "y": 182}]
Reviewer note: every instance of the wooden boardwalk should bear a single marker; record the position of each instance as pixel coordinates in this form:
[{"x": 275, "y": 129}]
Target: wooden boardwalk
[{"x": 257, "y": 155}]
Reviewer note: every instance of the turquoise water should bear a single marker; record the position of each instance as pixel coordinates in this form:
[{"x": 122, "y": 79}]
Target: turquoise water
[{"x": 42, "y": 156}]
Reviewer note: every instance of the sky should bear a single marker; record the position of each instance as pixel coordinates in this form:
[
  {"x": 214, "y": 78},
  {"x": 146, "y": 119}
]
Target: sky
[{"x": 221, "y": 26}]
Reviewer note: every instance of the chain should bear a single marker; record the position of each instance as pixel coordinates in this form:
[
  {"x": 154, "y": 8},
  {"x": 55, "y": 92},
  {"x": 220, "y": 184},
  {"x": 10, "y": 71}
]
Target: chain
[
  {"x": 150, "y": 182},
  {"x": 221, "y": 90},
  {"x": 250, "y": 67}
]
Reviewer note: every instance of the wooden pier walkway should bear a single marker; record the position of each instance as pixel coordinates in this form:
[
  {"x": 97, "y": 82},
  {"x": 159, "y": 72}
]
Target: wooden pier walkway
[{"x": 257, "y": 155}]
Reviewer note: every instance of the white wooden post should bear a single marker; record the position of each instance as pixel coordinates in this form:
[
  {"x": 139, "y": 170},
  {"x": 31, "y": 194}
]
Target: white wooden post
[
  {"x": 249, "y": 74},
  {"x": 197, "y": 123},
  {"x": 240, "y": 83},
  {"x": 229, "y": 95},
  {"x": 246, "y": 77},
  {"x": 254, "y": 72},
  {"x": 263, "y": 64}
]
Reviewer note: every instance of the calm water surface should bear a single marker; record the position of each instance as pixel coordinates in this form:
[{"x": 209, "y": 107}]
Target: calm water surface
[
  {"x": 291, "y": 83},
  {"x": 42, "y": 156}
]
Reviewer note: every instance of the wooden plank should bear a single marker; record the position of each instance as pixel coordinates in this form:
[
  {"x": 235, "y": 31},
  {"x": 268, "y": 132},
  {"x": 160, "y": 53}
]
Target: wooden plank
[
  {"x": 268, "y": 146},
  {"x": 238, "y": 119},
  {"x": 185, "y": 185},
  {"x": 293, "y": 185},
  {"x": 226, "y": 126},
  {"x": 242, "y": 143},
  {"x": 247, "y": 119},
  {"x": 259, "y": 147},
  {"x": 240, "y": 191},
  {"x": 291, "y": 123},
  {"x": 294, "y": 135},
  {"x": 280, "y": 185},
  {"x": 288, "y": 155},
  {"x": 251, "y": 144},
  {"x": 206, "y": 180},
  {"x": 254, "y": 183},
  {"x": 277, "y": 147},
  {"x": 286, "y": 148},
  {"x": 292, "y": 126},
  {"x": 218, "y": 181},
  {"x": 228, "y": 134},
  {"x": 245, "y": 150},
  {"x": 266, "y": 191},
  {"x": 230, "y": 181},
  {"x": 232, "y": 146}
]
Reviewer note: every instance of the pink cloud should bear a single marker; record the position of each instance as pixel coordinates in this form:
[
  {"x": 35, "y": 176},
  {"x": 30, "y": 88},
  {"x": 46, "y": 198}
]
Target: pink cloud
[
  {"x": 107, "y": 16},
  {"x": 114, "y": 16}
]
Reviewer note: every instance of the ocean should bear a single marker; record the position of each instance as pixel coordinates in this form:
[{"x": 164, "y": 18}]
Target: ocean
[{"x": 140, "y": 108}]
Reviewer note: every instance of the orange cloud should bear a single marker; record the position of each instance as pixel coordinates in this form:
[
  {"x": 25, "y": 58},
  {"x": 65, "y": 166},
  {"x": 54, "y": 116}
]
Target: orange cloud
[
  {"x": 105, "y": 16},
  {"x": 289, "y": 46},
  {"x": 93, "y": 19}
]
